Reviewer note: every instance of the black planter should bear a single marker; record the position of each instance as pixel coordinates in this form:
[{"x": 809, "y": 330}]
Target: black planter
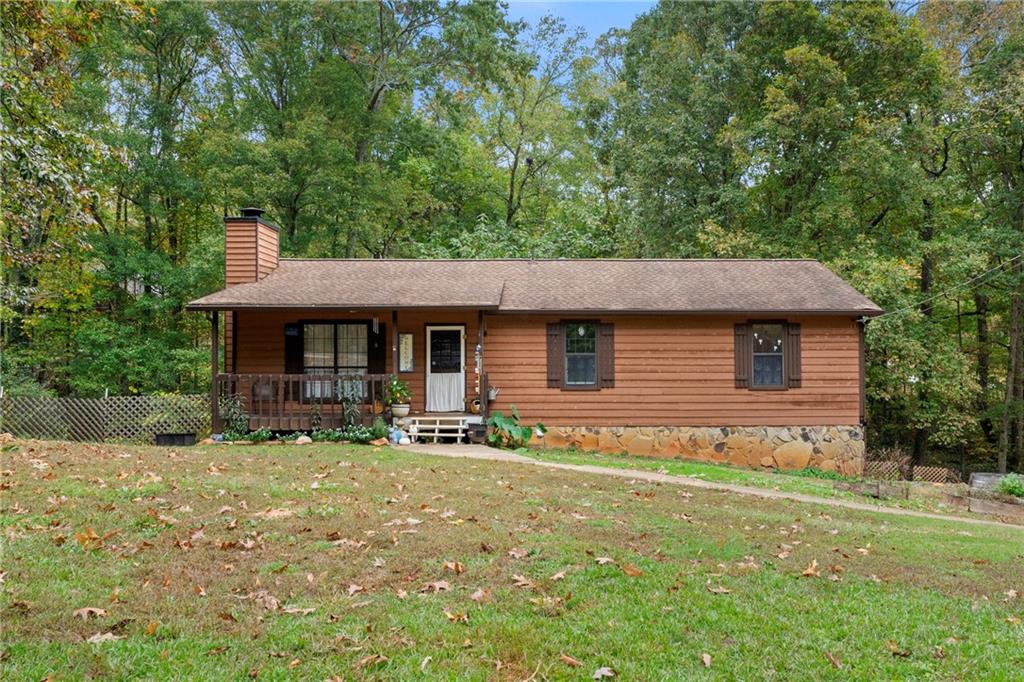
[{"x": 175, "y": 438}]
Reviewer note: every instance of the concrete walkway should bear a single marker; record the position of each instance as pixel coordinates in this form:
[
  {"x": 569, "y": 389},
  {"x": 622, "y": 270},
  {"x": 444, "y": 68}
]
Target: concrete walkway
[{"x": 482, "y": 452}]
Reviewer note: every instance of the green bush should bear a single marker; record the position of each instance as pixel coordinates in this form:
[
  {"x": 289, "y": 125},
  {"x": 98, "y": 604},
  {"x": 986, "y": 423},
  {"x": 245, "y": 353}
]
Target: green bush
[
  {"x": 351, "y": 434},
  {"x": 1011, "y": 484},
  {"x": 811, "y": 472},
  {"x": 509, "y": 432},
  {"x": 260, "y": 435},
  {"x": 379, "y": 429}
]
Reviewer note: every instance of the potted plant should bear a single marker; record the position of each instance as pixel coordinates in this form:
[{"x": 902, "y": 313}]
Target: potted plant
[{"x": 398, "y": 397}]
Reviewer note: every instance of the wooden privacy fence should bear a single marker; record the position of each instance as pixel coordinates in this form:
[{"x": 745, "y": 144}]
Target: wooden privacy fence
[{"x": 131, "y": 418}]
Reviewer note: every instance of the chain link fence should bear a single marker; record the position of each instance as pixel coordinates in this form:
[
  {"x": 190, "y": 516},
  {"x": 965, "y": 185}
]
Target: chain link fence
[{"x": 132, "y": 418}]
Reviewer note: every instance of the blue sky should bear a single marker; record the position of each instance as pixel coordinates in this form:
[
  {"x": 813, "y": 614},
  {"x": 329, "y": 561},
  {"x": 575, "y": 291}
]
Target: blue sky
[{"x": 594, "y": 16}]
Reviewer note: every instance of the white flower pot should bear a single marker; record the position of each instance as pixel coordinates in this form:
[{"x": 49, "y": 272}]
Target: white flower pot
[{"x": 399, "y": 411}]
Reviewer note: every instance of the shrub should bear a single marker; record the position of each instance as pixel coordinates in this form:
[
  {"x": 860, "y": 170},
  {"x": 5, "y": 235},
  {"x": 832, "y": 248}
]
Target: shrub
[
  {"x": 379, "y": 429},
  {"x": 352, "y": 434},
  {"x": 509, "y": 432},
  {"x": 812, "y": 472},
  {"x": 260, "y": 435},
  {"x": 234, "y": 417},
  {"x": 1011, "y": 484}
]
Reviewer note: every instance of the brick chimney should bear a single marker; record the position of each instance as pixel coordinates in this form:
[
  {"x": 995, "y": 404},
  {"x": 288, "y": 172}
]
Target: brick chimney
[{"x": 250, "y": 247}]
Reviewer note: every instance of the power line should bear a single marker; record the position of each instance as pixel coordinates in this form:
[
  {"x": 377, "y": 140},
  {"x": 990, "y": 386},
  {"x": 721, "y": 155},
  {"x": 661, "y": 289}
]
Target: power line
[{"x": 945, "y": 291}]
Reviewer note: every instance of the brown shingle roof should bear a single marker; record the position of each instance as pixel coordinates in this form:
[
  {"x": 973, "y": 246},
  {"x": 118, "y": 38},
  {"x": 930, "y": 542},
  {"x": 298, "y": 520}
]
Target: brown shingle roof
[{"x": 661, "y": 286}]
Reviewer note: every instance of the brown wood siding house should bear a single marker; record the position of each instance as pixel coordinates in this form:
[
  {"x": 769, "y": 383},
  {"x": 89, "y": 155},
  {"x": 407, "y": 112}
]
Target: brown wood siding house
[{"x": 756, "y": 362}]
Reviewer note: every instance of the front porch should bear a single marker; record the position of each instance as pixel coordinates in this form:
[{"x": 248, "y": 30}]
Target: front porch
[{"x": 293, "y": 370}]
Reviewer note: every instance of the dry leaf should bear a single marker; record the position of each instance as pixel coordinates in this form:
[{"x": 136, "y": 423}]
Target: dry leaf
[
  {"x": 834, "y": 660},
  {"x": 456, "y": 617},
  {"x": 454, "y": 566},
  {"x": 718, "y": 589},
  {"x": 521, "y": 581},
  {"x": 632, "y": 571},
  {"x": 151, "y": 628},
  {"x": 602, "y": 560},
  {"x": 602, "y": 673},
  {"x": 517, "y": 553},
  {"x": 436, "y": 586},
  {"x": 895, "y": 649},
  {"x": 372, "y": 659},
  {"x": 99, "y": 638},
  {"x": 354, "y": 589},
  {"x": 569, "y": 661},
  {"x": 706, "y": 660},
  {"x": 557, "y": 576},
  {"x": 812, "y": 570},
  {"x": 89, "y": 612},
  {"x": 481, "y": 595},
  {"x": 295, "y": 610}
]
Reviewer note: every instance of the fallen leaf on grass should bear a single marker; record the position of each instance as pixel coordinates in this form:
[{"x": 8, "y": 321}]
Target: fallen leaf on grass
[
  {"x": 602, "y": 673},
  {"x": 354, "y": 589},
  {"x": 294, "y": 663},
  {"x": 454, "y": 566},
  {"x": 521, "y": 581},
  {"x": 151, "y": 628},
  {"x": 297, "y": 611},
  {"x": 632, "y": 571},
  {"x": 274, "y": 513},
  {"x": 557, "y": 576},
  {"x": 372, "y": 659},
  {"x": 1013, "y": 620},
  {"x": 99, "y": 638},
  {"x": 517, "y": 553},
  {"x": 89, "y": 612},
  {"x": 436, "y": 586},
  {"x": 717, "y": 589},
  {"x": 425, "y": 662},
  {"x": 706, "y": 660},
  {"x": 569, "y": 661},
  {"x": 895, "y": 649},
  {"x": 602, "y": 560},
  {"x": 481, "y": 595},
  {"x": 456, "y": 617},
  {"x": 834, "y": 660},
  {"x": 812, "y": 570}
]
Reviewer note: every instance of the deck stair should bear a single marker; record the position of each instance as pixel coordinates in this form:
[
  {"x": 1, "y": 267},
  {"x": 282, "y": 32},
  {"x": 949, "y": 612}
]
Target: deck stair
[{"x": 434, "y": 427}]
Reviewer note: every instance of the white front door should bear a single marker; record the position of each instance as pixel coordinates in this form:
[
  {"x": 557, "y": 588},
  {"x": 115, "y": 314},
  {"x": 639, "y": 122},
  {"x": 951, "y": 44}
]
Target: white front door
[{"x": 446, "y": 368}]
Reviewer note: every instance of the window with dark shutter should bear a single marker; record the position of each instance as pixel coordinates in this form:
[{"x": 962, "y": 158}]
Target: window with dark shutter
[
  {"x": 741, "y": 350},
  {"x": 556, "y": 357}
]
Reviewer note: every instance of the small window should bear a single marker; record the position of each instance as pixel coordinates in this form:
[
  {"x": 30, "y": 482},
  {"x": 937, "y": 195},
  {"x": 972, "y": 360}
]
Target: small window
[
  {"x": 768, "y": 352},
  {"x": 581, "y": 354}
]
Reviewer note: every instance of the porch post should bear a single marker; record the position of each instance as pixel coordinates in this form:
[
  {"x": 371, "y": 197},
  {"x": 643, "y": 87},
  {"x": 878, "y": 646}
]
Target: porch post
[
  {"x": 480, "y": 382},
  {"x": 394, "y": 342},
  {"x": 215, "y": 425}
]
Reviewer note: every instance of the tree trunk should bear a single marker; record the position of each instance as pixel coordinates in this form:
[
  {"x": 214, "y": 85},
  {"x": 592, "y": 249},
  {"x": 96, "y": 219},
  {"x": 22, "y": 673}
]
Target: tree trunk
[
  {"x": 926, "y": 307},
  {"x": 984, "y": 357},
  {"x": 1013, "y": 368}
]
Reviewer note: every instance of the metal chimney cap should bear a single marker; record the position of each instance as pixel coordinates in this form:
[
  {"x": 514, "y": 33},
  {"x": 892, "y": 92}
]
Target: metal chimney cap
[{"x": 252, "y": 212}]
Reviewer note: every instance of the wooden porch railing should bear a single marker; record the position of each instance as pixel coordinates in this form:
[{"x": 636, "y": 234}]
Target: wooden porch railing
[{"x": 291, "y": 402}]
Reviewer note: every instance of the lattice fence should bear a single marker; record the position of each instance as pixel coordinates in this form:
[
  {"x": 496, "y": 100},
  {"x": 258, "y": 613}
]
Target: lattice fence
[
  {"x": 133, "y": 418},
  {"x": 888, "y": 470}
]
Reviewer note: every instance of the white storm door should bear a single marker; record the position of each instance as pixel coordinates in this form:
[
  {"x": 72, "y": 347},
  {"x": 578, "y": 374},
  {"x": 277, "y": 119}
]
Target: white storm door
[{"x": 446, "y": 368}]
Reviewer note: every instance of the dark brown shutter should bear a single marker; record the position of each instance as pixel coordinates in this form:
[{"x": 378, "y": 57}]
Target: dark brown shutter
[
  {"x": 743, "y": 353},
  {"x": 793, "y": 355},
  {"x": 556, "y": 355},
  {"x": 377, "y": 350},
  {"x": 606, "y": 355},
  {"x": 293, "y": 349}
]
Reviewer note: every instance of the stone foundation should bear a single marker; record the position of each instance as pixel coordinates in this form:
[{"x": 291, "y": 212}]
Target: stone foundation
[{"x": 829, "y": 448}]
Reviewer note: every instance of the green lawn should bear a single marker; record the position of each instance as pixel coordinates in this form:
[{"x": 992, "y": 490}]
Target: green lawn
[
  {"x": 205, "y": 561},
  {"x": 807, "y": 481}
]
